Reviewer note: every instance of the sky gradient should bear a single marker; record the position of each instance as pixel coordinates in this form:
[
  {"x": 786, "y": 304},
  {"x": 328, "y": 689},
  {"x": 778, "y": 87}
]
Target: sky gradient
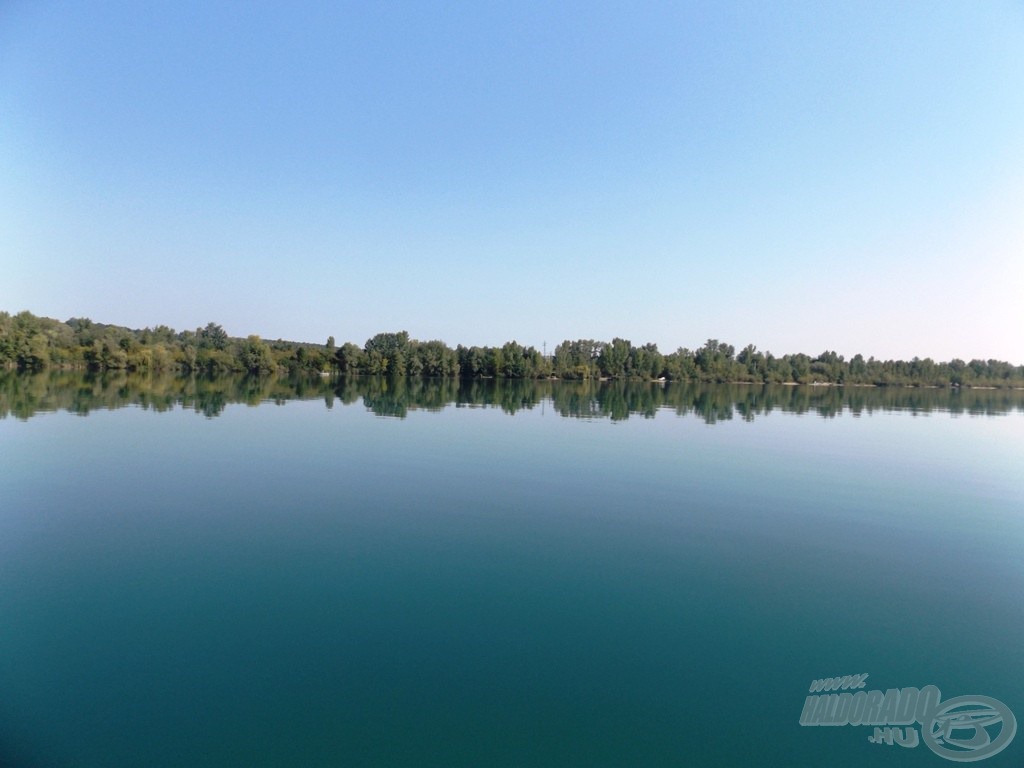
[{"x": 799, "y": 176}]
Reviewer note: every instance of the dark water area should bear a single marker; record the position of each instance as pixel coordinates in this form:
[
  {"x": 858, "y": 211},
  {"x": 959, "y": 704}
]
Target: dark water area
[{"x": 411, "y": 573}]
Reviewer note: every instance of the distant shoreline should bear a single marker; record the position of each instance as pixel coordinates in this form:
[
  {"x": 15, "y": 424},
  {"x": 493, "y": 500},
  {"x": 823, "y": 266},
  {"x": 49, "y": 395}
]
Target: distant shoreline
[{"x": 28, "y": 342}]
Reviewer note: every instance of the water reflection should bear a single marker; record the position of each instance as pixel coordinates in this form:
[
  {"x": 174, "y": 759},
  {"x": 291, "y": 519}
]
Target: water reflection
[{"x": 23, "y": 395}]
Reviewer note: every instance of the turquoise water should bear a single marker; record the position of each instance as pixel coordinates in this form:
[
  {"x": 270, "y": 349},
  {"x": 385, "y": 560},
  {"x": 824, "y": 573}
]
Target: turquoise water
[{"x": 294, "y": 584}]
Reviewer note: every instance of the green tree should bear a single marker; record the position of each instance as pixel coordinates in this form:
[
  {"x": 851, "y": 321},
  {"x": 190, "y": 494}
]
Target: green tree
[
  {"x": 714, "y": 360},
  {"x": 646, "y": 362},
  {"x": 387, "y": 353},
  {"x": 349, "y": 358},
  {"x": 255, "y": 356},
  {"x": 34, "y": 352},
  {"x": 614, "y": 359},
  {"x": 212, "y": 336}
]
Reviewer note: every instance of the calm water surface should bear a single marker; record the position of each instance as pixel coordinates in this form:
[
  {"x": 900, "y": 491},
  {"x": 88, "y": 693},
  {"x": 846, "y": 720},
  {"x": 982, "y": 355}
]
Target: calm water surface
[{"x": 308, "y": 583}]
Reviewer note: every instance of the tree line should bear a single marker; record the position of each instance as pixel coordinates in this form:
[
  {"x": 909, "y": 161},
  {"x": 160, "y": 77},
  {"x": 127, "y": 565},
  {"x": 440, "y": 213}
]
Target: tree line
[{"x": 28, "y": 342}]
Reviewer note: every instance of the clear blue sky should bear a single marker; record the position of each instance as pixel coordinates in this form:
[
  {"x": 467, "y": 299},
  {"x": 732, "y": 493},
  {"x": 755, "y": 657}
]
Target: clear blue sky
[{"x": 798, "y": 175}]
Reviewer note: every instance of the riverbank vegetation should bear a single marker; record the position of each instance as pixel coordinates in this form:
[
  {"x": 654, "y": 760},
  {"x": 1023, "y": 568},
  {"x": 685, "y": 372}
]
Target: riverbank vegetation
[{"x": 28, "y": 342}]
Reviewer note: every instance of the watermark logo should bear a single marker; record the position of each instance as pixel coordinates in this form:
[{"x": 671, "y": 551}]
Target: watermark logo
[{"x": 963, "y": 729}]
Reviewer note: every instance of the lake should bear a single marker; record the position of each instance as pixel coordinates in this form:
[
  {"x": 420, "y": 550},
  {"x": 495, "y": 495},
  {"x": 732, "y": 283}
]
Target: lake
[{"x": 273, "y": 572}]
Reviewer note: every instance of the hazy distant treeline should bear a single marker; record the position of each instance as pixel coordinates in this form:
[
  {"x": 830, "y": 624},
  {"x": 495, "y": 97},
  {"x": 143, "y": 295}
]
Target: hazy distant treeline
[{"x": 28, "y": 342}]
